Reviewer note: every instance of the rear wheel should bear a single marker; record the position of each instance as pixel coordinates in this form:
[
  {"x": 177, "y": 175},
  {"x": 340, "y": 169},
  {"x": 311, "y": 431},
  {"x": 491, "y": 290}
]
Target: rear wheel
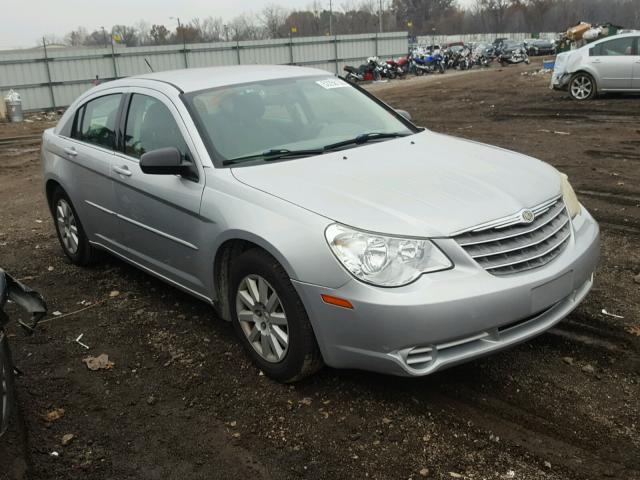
[
  {"x": 72, "y": 237},
  {"x": 582, "y": 87},
  {"x": 270, "y": 319}
]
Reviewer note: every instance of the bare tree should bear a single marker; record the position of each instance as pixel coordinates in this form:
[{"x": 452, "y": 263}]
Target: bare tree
[
  {"x": 159, "y": 34},
  {"x": 274, "y": 18},
  {"x": 77, "y": 37}
]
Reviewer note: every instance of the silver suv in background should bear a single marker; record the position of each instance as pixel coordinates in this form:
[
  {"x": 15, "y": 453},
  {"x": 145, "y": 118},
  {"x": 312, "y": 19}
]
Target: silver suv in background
[
  {"x": 611, "y": 64},
  {"x": 321, "y": 222}
]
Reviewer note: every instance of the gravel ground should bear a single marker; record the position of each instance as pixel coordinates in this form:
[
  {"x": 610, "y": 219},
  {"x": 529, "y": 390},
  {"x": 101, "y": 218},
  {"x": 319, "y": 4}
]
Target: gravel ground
[{"x": 182, "y": 401}]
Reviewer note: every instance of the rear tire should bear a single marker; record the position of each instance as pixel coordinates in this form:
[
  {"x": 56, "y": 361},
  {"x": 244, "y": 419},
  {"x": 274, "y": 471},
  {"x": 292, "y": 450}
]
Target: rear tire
[
  {"x": 582, "y": 87},
  {"x": 71, "y": 234},
  {"x": 270, "y": 319}
]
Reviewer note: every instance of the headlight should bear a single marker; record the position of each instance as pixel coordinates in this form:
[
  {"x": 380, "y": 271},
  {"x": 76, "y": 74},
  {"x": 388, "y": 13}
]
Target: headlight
[
  {"x": 569, "y": 196},
  {"x": 382, "y": 260}
]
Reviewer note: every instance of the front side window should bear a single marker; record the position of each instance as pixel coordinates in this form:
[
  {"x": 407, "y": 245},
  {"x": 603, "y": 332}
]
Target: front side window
[
  {"x": 290, "y": 113},
  {"x": 617, "y": 47},
  {"x": 96, "y": 121},
  {"x": 150, "y": 126}
]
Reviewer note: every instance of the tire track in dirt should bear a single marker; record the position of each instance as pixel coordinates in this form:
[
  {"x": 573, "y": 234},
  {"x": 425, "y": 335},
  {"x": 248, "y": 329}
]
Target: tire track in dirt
[{"x": 539, "y": 436}]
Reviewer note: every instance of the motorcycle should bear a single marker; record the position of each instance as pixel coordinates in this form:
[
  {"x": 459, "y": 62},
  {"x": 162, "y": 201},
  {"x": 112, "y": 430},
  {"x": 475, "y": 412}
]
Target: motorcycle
[
  {"x": 364, "y": 73},
  {"x": 519, "y": 55},
  {"x": 425, "y": 62},
  {"x": 32, "y": 302},
  {"x": 399, "y": 67}
]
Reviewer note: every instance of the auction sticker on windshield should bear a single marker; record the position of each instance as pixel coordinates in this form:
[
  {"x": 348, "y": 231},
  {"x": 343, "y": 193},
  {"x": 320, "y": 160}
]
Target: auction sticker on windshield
[{"x": 330, "y": 83}]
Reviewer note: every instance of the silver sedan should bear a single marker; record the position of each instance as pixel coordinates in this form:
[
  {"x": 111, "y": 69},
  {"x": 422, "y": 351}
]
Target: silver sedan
[
  {"x": 324, "y": 224},
  {"x": 608, "y": 65}
]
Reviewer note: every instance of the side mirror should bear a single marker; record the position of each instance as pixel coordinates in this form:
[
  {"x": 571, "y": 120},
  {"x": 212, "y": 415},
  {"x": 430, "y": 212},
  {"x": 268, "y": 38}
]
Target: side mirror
[
  {"x": 404, "y": 114},
  {"x": 164, "y": 161}
]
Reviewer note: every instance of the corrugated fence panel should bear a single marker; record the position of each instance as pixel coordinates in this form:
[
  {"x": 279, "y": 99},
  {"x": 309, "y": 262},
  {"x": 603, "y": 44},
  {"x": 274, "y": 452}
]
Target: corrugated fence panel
[
  {"x": 479, "y": 37},
  {"x": 72, "y": 70},
  {"x": 22, "y": 73}
]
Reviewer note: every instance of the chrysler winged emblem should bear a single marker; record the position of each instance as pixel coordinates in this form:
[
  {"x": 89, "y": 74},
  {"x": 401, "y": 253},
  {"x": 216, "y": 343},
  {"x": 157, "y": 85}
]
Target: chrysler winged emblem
[{"x": 527, "y": 216}]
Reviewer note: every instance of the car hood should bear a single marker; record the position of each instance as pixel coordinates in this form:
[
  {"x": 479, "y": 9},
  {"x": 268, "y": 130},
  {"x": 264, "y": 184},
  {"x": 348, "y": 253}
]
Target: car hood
[{"x": 426, "y": 184}]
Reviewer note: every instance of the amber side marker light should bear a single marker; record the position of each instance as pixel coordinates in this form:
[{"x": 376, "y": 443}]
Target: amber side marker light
[{"x": 338, "y": 302}]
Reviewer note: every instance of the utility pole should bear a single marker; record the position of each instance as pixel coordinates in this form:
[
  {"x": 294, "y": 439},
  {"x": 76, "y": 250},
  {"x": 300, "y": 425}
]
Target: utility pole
[
  {"x": 380, "y": 16},
  {"x": 184, "y": 42},
  {"x": 104, "y": 36}
]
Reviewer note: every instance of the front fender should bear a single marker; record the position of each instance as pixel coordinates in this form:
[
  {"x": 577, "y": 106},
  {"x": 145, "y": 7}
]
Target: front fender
[{"x": 292, "y": 234}]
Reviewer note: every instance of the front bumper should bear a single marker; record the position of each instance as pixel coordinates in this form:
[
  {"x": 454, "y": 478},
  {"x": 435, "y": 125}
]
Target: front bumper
[
  {"x": 453, "y": 316},
  {"x": 560, "y": 81}
]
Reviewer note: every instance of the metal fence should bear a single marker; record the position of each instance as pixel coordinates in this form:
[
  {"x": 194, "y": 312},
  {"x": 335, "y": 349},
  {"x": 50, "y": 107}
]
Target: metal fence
[
  {"x": 50, "y": 78},
  {"x": 479, "y": 37}
]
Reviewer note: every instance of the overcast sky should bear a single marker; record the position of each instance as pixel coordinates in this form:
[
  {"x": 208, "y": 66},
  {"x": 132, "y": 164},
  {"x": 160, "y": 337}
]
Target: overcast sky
[{"x": 24, "y": 21}]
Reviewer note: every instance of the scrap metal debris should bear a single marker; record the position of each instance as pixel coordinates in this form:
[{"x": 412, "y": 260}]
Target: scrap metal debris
[
  {"x": 604, "y": 312},
  {"x": 80, "y": 343}
]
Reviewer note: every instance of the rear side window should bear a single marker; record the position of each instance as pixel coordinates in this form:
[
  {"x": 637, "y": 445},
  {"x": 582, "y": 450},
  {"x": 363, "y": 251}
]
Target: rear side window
[
  {"x": 150, "y": 126},
  {"x": 612, "y": 48},
  {"x": 96, "y": 120}
]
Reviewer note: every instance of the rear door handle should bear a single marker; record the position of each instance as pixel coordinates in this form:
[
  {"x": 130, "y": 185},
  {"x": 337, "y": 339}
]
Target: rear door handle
[
  {"x": 596, "y": 61},
  {"x": 71, "y": 151},
  {"x": 124, "y": 170}
]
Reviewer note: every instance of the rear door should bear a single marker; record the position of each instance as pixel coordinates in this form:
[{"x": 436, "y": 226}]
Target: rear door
[
  {"x": 159, "y": 221},
  {"x": 613, "y": 61},
  {"x": 88, "y": 149}
]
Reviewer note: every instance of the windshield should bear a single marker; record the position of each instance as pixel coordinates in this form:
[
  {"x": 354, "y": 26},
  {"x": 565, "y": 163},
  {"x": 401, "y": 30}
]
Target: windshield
[{"x": 304, "y": 114}]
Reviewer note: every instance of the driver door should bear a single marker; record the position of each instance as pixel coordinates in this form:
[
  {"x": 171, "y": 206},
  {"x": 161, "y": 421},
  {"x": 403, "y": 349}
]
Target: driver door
[{"x": 159, "y": 215}]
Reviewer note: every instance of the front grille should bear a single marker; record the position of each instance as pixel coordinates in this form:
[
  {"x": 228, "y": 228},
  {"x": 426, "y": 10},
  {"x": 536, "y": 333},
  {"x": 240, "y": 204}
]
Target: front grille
[{"x": 508, "y": 246}]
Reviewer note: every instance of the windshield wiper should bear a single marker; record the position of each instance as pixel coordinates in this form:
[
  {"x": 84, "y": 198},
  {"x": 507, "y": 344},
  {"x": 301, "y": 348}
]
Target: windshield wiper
[
  {"x": 278, "y": 153},
  {"x": 275, "y": 154},
  {"x": 364, "y": 138}
]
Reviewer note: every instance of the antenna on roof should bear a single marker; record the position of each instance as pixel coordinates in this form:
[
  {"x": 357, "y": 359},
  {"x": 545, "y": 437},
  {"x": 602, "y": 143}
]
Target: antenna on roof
[{"x": 148, "y": 64}]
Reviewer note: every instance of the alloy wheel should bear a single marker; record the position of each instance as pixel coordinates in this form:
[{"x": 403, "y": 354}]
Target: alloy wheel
[
  {"x": 581, "y": 87},
  {"x": 67, "y": 226},
  {"x": 262, "y": 318}
]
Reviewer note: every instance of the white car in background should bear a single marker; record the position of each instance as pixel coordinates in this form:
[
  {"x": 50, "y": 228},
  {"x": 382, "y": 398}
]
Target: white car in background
[{"x": 611, "y": 64}]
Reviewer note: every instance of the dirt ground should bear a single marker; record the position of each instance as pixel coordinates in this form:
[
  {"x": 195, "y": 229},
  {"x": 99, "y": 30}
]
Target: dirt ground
[{"x": 182, "y": 400}]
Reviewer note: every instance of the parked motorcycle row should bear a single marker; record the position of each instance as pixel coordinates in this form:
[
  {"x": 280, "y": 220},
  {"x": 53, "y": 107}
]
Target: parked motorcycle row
[{"x": 423, "y": 60}]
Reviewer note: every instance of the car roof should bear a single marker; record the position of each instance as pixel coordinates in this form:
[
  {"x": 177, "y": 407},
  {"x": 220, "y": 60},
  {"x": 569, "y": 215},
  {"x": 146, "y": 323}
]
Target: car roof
[{"x": 194, "y": 79}]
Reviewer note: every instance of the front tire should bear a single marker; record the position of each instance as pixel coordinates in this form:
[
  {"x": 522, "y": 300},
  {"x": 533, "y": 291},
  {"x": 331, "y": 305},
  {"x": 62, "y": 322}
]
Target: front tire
[
  {"x": 270, "y": 319},
  {"x": 582, "y": 87},
  {"x": 71, "y": 234}
]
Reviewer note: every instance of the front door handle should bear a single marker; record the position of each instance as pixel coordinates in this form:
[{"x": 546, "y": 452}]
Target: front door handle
[
  {"x": 124, "y": 170},
  {"x": 71, "y": 151}
]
